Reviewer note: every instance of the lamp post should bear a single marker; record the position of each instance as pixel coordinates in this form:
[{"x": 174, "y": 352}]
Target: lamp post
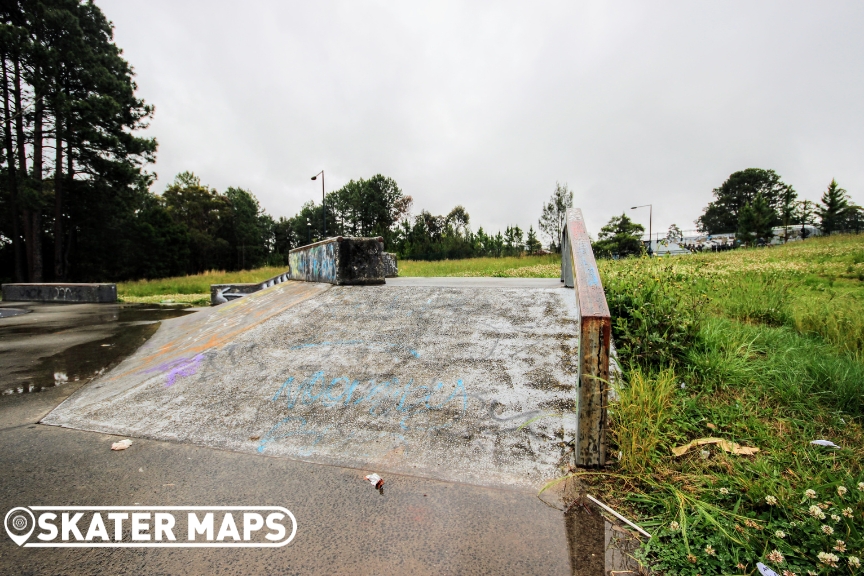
[
  {"x": 309, "y": 230},
  {"x": 650, "y": 217},
  {"x": 323, "y": 206}
]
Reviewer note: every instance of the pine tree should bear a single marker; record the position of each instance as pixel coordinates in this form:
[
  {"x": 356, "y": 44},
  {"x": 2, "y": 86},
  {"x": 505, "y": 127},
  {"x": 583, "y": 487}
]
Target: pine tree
[
  {"x": 832, "y": 212},
  {"x": 755, "y": 221},
  {"x": 532, "y": 244}
]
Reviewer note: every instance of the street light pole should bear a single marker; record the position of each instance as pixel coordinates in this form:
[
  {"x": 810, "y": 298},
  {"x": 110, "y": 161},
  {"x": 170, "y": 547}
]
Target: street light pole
[
  {"x": 650, "y": 232},
  {"x": 323, "y": 206},
  {"x": 308, "y": 231}
]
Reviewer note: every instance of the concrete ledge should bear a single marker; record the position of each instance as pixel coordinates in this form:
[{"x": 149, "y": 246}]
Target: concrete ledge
[
  {"x": 90, "y": 293},
  {"x": 222, "y": 293},
  {"x": 340, "y": 260},
  {"x": 391, "y": 266}
]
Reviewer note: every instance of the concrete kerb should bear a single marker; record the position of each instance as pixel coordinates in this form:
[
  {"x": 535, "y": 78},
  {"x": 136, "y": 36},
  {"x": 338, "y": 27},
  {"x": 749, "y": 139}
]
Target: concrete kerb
[
  {"x": 60, "y": 292},
  {"x": 223, "y": 293}
]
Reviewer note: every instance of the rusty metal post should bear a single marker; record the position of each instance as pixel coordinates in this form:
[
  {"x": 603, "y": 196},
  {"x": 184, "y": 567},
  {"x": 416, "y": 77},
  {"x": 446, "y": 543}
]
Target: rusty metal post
[{"x": 595, "y": 332}]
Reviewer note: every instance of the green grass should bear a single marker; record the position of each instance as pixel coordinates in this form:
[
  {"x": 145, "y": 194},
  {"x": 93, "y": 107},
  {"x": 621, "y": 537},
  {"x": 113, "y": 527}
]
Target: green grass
[
  {"x": 193, "y": 289},
  {"x": 774, "y": 361},
  {"x": 548, "y": 266}
]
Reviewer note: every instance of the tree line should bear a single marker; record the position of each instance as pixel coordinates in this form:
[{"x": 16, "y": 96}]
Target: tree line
[
  {"x": 378, "y": 207},
  {"x": 76, "y": 201},
  {"x": 70, "y": 165},
  {"x": 751, "y": 204}
]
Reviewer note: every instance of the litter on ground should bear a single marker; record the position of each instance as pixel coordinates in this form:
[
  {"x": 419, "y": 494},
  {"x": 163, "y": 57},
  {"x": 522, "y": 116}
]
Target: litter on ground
[
  {"x": 375, "y": 480},
  {"x": 726, "y": 445},
  {"x": 121, "y": 445}
]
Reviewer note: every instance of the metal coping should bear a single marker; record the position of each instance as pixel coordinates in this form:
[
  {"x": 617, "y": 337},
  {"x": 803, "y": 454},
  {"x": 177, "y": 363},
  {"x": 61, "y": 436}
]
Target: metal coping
[{"x": 589, "y": 287}]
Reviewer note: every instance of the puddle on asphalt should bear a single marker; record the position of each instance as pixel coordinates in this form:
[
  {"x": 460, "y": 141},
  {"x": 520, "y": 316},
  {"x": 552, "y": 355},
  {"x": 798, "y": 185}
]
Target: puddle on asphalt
[
  {"x": 597, "y": 543},
  {"x": 60, "y": 344}
]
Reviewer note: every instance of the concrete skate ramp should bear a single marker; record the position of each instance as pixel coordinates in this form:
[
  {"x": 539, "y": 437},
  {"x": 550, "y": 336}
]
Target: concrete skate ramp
[{"x": 470, "y": 382}]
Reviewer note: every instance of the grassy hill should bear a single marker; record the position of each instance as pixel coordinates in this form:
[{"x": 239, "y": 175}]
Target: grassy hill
[{"x": 763, "y": 348}]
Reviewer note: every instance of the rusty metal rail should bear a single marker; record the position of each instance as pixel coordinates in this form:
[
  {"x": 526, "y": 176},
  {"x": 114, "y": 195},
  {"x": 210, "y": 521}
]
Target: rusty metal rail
[{"x": 579, "y": 271}]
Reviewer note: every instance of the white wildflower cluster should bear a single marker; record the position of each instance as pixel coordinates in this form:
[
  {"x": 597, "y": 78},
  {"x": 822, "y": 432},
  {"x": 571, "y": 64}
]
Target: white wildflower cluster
[
  {"x": 673, "y": 526},
  {"x": 827, "y": 529},
  {"x": 854, "y": 561},
  {"x": 841, "y": 491},
  {"x": 809, "y": 493},
  {"x": 775, "y": 556},
  {"x": 816, "y": 512},
  {"x": 828, "y": 559},
  {"x": 771, "y": 500},
  {"x": 780, "y": 534}
]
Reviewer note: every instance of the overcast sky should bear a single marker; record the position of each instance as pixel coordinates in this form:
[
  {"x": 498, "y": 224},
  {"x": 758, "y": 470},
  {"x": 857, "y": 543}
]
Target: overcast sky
[{"x": 489, "y": 104}]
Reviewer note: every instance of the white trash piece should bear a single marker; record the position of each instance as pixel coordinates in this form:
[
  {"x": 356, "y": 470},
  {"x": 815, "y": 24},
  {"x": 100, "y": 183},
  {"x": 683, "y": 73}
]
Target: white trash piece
[
  {"x": 122, "y": 445},
  {"x": 827, "y": 443},
  {"x": 375, "y": 480}
]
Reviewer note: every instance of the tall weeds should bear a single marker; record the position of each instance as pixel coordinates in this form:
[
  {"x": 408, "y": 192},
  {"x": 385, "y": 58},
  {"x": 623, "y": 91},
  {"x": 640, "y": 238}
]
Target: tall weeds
[{"x": 640, "y": 418}]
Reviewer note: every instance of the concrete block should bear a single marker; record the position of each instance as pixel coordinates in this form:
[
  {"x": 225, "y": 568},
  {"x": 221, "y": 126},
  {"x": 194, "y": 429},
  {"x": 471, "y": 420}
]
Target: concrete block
[
  {"x": 391, "y": 266},
  {"x": 340, "y": 260},
  {"x": 90, "y": 293}
]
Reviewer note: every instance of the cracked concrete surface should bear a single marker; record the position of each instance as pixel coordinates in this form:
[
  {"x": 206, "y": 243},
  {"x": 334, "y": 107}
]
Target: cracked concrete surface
[{"x": 472, "y": 383}]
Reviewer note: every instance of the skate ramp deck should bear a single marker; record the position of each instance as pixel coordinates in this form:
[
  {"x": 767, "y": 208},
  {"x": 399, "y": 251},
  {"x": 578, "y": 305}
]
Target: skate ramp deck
[{"x": 465, "y": 380}]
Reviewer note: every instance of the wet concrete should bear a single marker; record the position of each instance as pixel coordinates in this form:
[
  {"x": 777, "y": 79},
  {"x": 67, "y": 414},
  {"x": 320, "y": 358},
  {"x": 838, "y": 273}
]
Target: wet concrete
[
  {"x": 414, "y": 526},
  {"x": 454, "y": 383},
  {"x": 67, "y": 344}
]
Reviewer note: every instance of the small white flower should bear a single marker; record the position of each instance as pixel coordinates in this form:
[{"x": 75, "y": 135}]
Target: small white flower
[
  {"x": 812, "y": 493},
  {"x": 780, "y": 534},
  {"x": 704, "y": 454},
  {"x": 841, "y": 490},
  {"x": 812, "y": 573},
  {"x": 827, "y": 529},
  {"x": 816, "y": 512},
  {"x": 709, "y": 550},
  {"x": 775, "y": 556},
  {"x": 847, "y": 512},
  {"x": 854, "y": 561},
  {"x": 861, "y": 486},
  {"x": 840, "y": 546},
  {"x": 674, "y": 526},
  {"x": 771, "y": 500},
  {"x": 835, "y": 518},
  {"x": 828, "y": 558},
  {"x": 724, "y": 491}
]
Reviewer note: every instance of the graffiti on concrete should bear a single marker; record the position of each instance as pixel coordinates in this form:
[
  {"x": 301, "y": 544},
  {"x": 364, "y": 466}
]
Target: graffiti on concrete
[
  {"x": 314, "y": 264},
  {"x": 391, "y": 266},
  {"x": 398, "y": 407},
  {"x": 93, "y": 293},
  {"x": 224, "y": 293},
  {"x": 177, "y": 368}
]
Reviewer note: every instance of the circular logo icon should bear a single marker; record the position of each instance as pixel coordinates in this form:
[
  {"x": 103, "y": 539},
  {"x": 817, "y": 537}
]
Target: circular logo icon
[{"x": 20, "y": 523}]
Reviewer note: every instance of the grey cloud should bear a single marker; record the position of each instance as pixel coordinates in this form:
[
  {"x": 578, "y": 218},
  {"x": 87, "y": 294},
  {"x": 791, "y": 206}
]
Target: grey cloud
[{"x": 488, "y": 104}]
